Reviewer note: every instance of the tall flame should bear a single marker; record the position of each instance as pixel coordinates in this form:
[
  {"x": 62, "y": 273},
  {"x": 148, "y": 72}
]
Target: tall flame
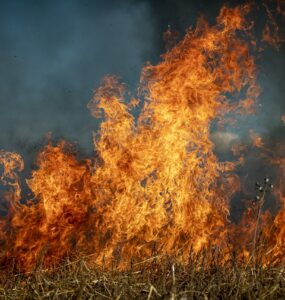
[{"x": 155, "y": 184}]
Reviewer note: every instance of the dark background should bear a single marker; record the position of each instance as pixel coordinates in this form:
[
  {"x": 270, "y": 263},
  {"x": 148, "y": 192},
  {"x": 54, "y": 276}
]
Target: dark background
[{"x": 53, "y": 54}]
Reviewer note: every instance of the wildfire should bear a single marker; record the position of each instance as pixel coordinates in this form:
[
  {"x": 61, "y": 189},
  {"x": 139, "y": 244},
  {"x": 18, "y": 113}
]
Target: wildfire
[{"x": 155, "y": 184}]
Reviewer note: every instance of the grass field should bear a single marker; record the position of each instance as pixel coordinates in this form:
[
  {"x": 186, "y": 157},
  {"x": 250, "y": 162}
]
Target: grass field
[{"x": 152, "y": 279}]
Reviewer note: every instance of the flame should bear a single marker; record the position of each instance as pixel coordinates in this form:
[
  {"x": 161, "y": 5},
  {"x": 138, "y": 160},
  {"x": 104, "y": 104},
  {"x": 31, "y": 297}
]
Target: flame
[
  {"x": 256, "y": 139},
  {"x": 276, "y": 233},
  {"x": 155, "y": 184}
]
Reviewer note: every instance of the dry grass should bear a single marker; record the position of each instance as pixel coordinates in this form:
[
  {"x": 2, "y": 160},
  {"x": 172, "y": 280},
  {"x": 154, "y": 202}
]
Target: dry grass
[{"x": 153, "y": 279}]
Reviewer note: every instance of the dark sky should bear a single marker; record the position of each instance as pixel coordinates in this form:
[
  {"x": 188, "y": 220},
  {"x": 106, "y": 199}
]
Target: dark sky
[{"x": 53, "y": 54}]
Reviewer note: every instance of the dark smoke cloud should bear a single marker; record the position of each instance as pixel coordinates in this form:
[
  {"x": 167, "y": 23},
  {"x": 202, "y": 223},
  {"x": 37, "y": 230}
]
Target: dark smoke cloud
[{"x": 53, "y": 54}]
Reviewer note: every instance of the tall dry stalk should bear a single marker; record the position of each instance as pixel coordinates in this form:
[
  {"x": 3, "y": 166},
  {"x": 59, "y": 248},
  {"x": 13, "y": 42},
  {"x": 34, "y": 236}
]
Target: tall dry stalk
[{"x": 260, "y": 197}]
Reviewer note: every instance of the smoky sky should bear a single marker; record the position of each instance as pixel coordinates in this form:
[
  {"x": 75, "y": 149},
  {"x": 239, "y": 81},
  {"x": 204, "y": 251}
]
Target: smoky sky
[
  {"x": 52, "y": 56},
  {"x": 54, "y": 53}
]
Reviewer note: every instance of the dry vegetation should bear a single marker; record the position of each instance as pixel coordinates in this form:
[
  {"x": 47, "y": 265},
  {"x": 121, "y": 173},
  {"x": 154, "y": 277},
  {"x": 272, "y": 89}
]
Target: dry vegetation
[{"x": 153, "y": 279}]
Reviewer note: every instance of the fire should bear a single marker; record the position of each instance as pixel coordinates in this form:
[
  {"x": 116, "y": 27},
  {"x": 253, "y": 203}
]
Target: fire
[
  {"x": 256, "y": 139},
  {"x": 155, "y": 184}
]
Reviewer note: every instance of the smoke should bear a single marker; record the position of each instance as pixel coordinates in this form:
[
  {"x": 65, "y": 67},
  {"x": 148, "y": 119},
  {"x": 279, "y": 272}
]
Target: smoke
[{"x": 53, "y": 54}]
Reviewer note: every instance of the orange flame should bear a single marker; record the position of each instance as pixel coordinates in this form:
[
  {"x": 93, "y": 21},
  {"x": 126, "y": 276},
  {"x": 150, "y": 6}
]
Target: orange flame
[{"x": 155, "y": 184}]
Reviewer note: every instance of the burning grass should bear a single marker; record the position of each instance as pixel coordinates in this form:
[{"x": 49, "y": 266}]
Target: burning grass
[
  {"x": 200, "y": 278},
  {"x": 155, "y": 186}
]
